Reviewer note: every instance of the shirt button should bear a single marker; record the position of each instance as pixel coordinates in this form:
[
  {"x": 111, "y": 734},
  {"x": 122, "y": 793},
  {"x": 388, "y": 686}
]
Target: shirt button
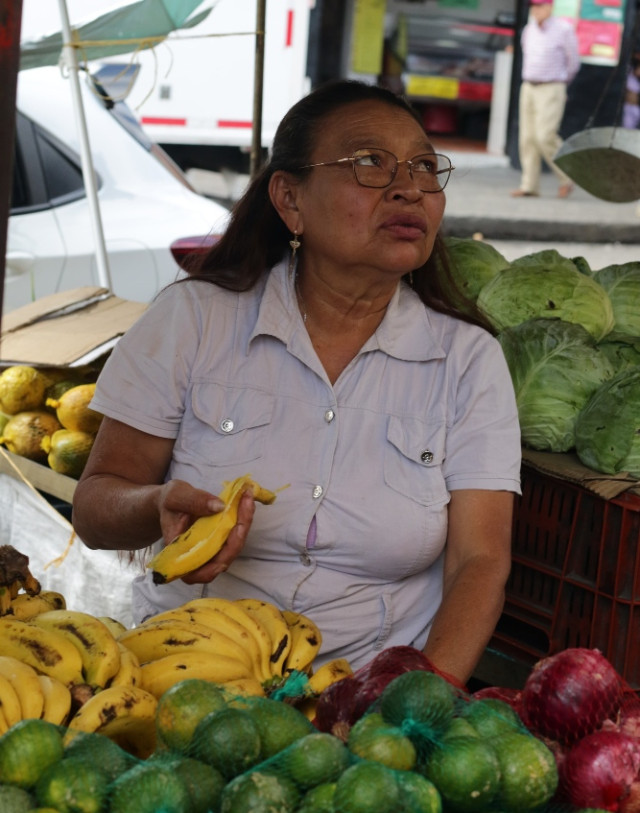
[
  {"x": 329, "y": 415},
  {"x": 305, "y": 559},
  {"x": 317, "y": 492},
  {"x": 426, "y": 456},
  {"x": 226, "y": 425}
]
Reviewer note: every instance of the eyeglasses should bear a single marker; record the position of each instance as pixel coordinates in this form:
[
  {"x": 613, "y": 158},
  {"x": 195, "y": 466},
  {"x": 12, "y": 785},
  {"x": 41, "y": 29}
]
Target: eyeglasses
[{"x": 377, "y": 168}]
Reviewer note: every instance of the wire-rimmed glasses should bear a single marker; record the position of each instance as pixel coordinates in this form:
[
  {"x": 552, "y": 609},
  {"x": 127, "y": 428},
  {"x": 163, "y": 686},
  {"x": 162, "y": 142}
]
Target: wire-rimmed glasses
[{"x": 376, "y": 168}]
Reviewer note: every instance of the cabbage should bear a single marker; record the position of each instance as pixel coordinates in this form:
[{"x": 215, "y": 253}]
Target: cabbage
[
  {"x": 622, "y": 284},
  {"x": 550, "y": 258},
  {"x": 555, "y": 367},
  {"x": 523, "y": 292},
  {"x": 608, "y": 426},
  {"x": 622, "y": 355},
  {"x": 473, "y": 264}
]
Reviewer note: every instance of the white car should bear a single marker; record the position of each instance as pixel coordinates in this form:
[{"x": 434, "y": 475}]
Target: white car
[{"x": 147, "y": 206}]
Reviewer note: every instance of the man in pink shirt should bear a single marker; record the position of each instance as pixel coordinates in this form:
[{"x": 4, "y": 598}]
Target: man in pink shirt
[{"x": 550, "y": 61}]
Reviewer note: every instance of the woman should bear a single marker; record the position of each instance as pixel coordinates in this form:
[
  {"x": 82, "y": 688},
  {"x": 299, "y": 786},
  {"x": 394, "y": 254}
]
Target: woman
[{"x": 318, "y": 347}]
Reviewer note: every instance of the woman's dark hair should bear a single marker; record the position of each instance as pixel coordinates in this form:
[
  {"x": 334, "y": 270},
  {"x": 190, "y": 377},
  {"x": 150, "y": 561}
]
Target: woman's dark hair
[{"x": 256, "y": 238}]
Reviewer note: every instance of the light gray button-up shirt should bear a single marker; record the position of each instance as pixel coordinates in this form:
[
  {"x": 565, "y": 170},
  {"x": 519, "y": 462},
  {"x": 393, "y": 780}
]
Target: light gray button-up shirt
[{"x": 355, "y": 541}]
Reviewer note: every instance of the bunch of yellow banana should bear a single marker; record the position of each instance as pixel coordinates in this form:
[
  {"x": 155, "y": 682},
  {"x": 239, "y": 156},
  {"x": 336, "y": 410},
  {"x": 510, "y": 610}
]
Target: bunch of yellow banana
[
  {"x": 26, "y": 693},
  {"x": 246, "y": 645}
]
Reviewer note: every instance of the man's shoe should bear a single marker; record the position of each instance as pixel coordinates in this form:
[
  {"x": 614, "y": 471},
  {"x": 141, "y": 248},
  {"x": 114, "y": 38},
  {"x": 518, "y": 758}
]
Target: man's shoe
[
  {"x": 564, "y": 190},
  {"x": 522, "y": 193}
]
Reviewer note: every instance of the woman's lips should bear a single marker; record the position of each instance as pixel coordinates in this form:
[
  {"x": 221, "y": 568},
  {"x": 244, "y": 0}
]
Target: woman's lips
[{"x": 408, "y": 227}]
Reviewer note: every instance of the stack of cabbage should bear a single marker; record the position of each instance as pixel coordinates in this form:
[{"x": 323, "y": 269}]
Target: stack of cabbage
[{"x": 571, "y": 337}]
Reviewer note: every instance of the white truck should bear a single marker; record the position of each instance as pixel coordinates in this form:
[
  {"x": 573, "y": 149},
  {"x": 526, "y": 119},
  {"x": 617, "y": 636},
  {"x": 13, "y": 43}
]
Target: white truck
[{"x": 194, "y": 93}]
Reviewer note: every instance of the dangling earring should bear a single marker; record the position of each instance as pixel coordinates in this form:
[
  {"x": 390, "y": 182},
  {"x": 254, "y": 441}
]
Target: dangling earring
[
  {"x": 411, "y": 278},
  {"x": 295, "y": 245}
]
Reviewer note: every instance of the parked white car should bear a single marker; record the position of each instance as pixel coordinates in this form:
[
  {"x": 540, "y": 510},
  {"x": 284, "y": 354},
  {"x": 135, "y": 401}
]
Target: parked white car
[{"x": 146, "y": 204}]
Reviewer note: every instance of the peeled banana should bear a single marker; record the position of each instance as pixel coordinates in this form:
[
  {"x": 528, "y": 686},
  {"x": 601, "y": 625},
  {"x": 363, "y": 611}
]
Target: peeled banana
[
  {"x": 203, "y": 540},
  {"x": 98, "y": 649}
]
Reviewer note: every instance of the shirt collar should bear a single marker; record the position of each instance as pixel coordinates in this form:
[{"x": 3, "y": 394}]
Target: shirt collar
[{"x": 405, "y": 332}]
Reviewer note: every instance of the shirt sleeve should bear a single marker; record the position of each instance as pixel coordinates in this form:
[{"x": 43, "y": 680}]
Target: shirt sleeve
[
  {"x": 484, "y": 445},
  {"x": 573, "y": 53},
  {"x": 144, "y": 380}
]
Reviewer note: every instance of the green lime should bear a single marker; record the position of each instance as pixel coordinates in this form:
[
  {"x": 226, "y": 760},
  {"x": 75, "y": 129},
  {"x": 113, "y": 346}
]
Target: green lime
[
  {"x": 279, "y": 723},
  {"x": 27, "y": 749},
  {"x": 313, "y": 760},
  {"x": 371, "y": 738},
  {"x": 529, "y": 771},
  {"x": 419, "y": 794},
  {"x": 367, "y": 787},
  {"x": 466, "y": 772},
  {"x": 492, "y": 717},
  {"x": 181, "y": 708},
  {"x": 459, "y": 727},
  {"x": 318, "y": 799},
  {"x": 258, "y": 792},
  {"x": 101, "y": 751},
  {"x": 149, "y": 788},
  {"x": 204, "y": 782},
  {"x": 228, "y": 740},
  {"x": 15, "y": 800},
  {"x": 73, "y": 785},
  {"x": 420, "y": 698}
]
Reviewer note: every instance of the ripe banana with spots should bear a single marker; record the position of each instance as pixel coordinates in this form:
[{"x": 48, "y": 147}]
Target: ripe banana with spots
[
  {"x": 24, "y": 680},
  {"x": 98, "y": 649},
  {"x": 46, "y": 650},
  {"x": 204, "y": 539},
  {"x": 125, "y": 714},
  {"x": 9, "y": 702},
  {"x": 277, "y": 628},
  {"x": 245, "y": 687},
  {"x": 159, "y": 675},
  {"x": 253, "y": 626},
  {"x": 57, "y": 700},
  {"x": 155, "y": 639},
  {"x": 24, "y": 607},
  {"x": 130, "y": 672},
  {"x": 113, "y": 625},
  {"x": 328, "y": 673},
  {"x": 306, "y": 641}
]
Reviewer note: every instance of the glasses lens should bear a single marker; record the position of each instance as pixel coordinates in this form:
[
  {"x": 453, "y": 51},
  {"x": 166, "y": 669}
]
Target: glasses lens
[
  {"x": 373, "y": 167},
  {"x": 431, "y": 172}
]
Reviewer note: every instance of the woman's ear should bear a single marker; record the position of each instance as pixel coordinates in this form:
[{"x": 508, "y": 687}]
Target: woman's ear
[{"x": 285, "y": 191}]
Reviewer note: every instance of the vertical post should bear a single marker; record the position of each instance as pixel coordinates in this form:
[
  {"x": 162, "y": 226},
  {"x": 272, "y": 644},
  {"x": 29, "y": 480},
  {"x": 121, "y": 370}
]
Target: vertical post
[
  {"x": 88, "y": 174},
  {"x": 10, "y": 20},
  {"x": 258, "y": 84}
]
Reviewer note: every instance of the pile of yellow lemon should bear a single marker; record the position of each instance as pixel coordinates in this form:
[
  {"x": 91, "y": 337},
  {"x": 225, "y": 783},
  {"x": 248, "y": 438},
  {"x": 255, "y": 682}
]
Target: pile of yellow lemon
[{"x": 45, "y": 416}]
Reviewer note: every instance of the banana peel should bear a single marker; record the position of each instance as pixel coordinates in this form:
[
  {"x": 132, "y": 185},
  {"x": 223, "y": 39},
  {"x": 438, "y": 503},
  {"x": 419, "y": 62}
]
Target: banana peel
[{"x": 204, "y": 539}]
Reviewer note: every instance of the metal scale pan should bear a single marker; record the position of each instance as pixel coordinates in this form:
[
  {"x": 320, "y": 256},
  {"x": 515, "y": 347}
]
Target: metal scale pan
[{"x": 605, "y": 161}]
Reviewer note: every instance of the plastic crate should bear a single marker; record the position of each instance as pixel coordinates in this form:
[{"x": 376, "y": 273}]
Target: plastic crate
[{"x": 575, "y": 578}]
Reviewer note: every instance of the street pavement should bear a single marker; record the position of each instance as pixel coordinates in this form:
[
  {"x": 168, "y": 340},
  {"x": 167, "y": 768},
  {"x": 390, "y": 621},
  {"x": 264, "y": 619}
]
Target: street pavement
[{"x": 479, "y": 203}]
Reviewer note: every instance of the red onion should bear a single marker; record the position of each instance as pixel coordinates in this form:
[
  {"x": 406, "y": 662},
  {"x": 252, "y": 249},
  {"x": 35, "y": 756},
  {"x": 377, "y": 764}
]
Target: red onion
[
  {"x": 599, "y": 770},
  {"x": 396, "y": 659},
  {"x": 334, "y": 704},
  {"x": 369, "y": 691},
  {"x": 570, "y": 694}
]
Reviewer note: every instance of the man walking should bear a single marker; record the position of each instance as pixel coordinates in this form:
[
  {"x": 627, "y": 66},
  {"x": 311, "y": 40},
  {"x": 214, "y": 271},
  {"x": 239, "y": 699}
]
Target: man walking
[{"x": 550, "y": 61}]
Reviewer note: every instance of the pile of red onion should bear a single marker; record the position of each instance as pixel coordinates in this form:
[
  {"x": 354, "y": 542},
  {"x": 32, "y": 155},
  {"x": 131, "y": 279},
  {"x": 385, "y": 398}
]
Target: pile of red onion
[{"x": 575, "y": 702}]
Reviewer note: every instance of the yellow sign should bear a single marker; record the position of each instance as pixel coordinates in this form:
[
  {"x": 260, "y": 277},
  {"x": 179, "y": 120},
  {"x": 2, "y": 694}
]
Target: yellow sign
[
  {"x": 368, "y": 36},
  {"x": 442, "y": 87}
]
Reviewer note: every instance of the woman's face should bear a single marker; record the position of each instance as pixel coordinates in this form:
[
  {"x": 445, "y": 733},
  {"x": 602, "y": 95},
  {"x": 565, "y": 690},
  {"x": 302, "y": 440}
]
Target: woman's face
[{"x": 385, "y": 231}]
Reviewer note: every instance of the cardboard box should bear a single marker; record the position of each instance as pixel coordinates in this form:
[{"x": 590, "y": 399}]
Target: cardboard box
[{"x": 66, "y": 329}]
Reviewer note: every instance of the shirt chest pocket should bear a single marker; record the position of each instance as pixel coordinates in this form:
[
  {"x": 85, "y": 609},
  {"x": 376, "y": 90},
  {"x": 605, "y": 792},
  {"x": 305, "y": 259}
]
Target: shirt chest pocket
[
  {"x": 228, "y": 426},
  {"x": 413, "y": 460}
]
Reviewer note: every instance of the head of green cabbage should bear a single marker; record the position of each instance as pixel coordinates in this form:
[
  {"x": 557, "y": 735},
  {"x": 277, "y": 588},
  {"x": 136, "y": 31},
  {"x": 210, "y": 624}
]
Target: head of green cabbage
[
  {"x": 622, "y": 284},
  {"x": 608, "y": 426},
  {"x": 473, "y": 263},
  {"x": 555, "y": 367},
  {"x": 531, "y": 290}
]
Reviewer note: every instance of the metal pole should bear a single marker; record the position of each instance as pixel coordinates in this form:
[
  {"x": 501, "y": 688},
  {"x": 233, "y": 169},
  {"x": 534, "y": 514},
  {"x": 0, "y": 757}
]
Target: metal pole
[
  {"x": 258, "y": 80},
  {"x": 10, "y": 20},
  {"x": 70, "y": 60}
]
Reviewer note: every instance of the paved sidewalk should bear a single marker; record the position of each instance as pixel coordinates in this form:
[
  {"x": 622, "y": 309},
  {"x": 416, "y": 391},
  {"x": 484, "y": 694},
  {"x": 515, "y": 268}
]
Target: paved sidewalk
[{"x": 478, "y": 200}]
